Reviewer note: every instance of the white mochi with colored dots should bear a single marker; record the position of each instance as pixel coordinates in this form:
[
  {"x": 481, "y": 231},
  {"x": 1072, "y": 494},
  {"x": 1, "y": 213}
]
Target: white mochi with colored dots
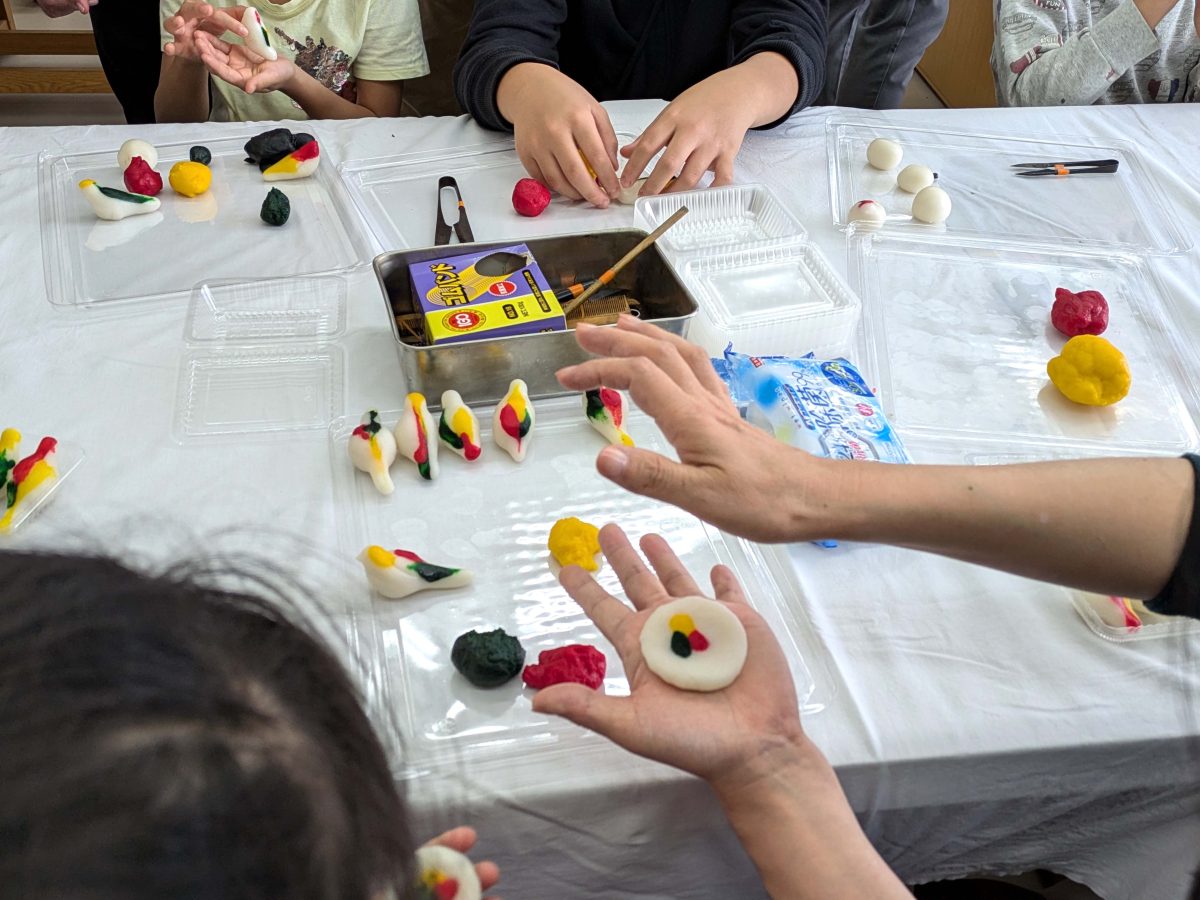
[
  {"x": 868, "y": 212},
  {"x": 914, "y": 178},
  {"x": 884, "y": 154},
  {"x": 136, "y": 147},
  {"x": 257, "y": 38},
  {"x": 932, "y": 206},
  {"x": 437, "y": 866},
  {"x": 715, "y": 644}
]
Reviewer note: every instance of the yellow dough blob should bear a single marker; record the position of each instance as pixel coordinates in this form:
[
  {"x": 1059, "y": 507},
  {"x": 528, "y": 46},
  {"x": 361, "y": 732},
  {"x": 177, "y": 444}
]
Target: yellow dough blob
[
  {"x": 574, "y": 542},
  {"x": 190, "y": 178}
]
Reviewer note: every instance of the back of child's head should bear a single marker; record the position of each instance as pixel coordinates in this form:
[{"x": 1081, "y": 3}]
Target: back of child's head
[{"x": 163, "y": 738}]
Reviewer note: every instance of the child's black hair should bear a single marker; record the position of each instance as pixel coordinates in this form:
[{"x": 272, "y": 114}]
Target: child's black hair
[{"x": 164, "y": 737}]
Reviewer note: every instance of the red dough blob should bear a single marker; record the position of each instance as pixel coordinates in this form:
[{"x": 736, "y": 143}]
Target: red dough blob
[
  {"x": 1082, "y": 313},
  {"x": 530, "y": 197},
  {"x": 574, "y": 662},
  {"x": 141, "y": 179}
]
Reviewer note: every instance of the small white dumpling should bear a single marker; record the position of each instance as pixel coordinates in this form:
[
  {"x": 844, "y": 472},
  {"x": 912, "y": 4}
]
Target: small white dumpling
[
  {"x": 914, "y": 178},
  {"x": 695, "y": 644},
  {"x": 257, "y": 39},
  {"x": 884, "y": 154},
  {"x": 867, "y": 212},
  {"x": 136, "y": 147},
  {"x": 932, "y": 206}
]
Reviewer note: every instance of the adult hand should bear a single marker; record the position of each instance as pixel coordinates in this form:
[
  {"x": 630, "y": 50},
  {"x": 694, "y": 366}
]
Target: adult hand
[
  {"x": 463, "y": 839},
  {"x": 725, "y": 737},
  {"x": 194, "y": 18},
  {"x": 554, "y": 121},
  {"x": 242, "y": 67},
  {"x": 729, "y": 473},
  {"x": 57, "y": 8}
]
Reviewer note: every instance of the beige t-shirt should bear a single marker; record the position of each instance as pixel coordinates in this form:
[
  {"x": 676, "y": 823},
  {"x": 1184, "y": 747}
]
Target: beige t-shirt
[{"x": 334, "y": 41}]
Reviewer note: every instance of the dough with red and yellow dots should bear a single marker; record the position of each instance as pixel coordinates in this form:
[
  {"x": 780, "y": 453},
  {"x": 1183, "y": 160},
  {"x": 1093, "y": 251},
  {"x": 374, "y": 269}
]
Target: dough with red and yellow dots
[{"x": 695, "y": 644}]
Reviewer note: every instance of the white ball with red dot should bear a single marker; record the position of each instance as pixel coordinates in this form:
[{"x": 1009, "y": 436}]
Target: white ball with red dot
[
  {"x": 868, "y": 212},
  {"x": 932, "y": 206},
  {"x": 884, "y": 154}
]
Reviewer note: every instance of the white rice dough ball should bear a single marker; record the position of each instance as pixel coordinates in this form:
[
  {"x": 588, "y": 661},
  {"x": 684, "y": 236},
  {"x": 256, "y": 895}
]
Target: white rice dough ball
[
  {"x": 932, "y": 206},
  {"x": 136, "y": 147},
  {"x": 914, "y": 178},
  {"x": 868, "y": 212},
  {"x": 884, "y": 154}
]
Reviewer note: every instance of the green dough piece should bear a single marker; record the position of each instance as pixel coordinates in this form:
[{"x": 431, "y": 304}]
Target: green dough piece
[
  {"x": 124, "y": 195},
  {"x": 200, "y": 155},
  {"x": 276, "y": 207},
  {"x": 487, "y": 658}
]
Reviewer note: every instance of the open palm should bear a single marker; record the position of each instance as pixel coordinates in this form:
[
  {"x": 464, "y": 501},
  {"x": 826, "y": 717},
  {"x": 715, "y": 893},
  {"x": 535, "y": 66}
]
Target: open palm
[
  {"x": 242, "y": 67},
  {"x": 707, "y": 734}
]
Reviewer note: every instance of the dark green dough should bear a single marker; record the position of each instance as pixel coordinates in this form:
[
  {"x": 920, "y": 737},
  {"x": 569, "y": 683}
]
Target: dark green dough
[
  {"x": 201, "y": 155},
  {"x": 276, "y": 208},
  {"x": 487, "y": 658}
]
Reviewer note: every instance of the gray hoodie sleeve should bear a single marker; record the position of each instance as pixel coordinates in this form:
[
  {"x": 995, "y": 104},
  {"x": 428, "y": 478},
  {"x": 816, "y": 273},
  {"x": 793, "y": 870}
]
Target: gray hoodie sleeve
[{"x": 1038, "y": 61}]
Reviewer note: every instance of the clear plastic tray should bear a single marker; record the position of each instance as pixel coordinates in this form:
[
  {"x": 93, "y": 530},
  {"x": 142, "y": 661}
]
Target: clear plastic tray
[
  {"x": 218, "y": 235},
  {"x": 1098, "y": 612},
  {"x": 1125, "y": 210},
  {"x": 772, "y": 301},
  {"x": 493, "y": 517},
  {"x": 267, "y": 310},
  {"x": 734, "y": 217},
  {"x": 67, "y": 457},
  {"x": 957, "y": 335}
]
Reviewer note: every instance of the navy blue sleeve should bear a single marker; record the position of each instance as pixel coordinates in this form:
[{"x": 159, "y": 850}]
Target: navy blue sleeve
[
  {"x": 1181, "y": 596},
  {"x": 503, "y": 33},
  {"x": 795, "y": 29}
]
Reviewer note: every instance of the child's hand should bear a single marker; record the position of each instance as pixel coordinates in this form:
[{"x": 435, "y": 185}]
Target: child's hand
[
  {"x": 242, "y": 67},
  {"x": 726, "y": 736},
  {"x": 195, "y": 18},
  {"x": 554, "y": 120},
  {"x": 463, "y": 839}
]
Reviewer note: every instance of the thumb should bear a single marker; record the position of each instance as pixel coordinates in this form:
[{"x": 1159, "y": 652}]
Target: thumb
[
  {"x": 644, "y": 472},
  {"x": 611, "y": 717}
]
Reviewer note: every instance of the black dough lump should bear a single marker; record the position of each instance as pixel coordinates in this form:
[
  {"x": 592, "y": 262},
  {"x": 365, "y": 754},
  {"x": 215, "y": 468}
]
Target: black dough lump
[
  {"x": 487, "y": 658},
  {"x": 268, "y": 148},
  {"x": 276, "y": 207},
  {"x": 201, "y": 155}
]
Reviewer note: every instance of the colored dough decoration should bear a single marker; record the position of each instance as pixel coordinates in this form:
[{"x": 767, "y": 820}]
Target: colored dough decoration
[
  {"x": 136, "y": 147},
  {"x": 695, "y": 644},
  {"x": 458, "y": 428},
  {"x": 574, "y": 542},
  {"x": 276, "y": 208},
  {"x": 914, "y": 179},
  {"x": 1090, "y": 371},
  {"x": 200, "y": 154},
  {"x": 578, "y": 663},
  {"x": 1083, "y": 313},
  {"x": 398, "y": 573},
  {"x": 22, "y": 480},
  {"x": 283, "y": 156},
  {"x": 373, "y": 450},
  {"x": 530, "y": 197},
  {"x": 445, "y": 874},
  {"x": 191, "y": 179},
  {"x": 113, "y": 205},
  {"x": 414, "y": 436},
  {"x": 868, "y": 212},
  {"x": 487, "y": 659},
  {"x": 605, "y": 410},
  {"x": 884, "y": 154},
  {"x": 141, "y": 179},
  {"x": 512, "y": 422},
  {"x": 257, "y": 39},
  {"x": 931, "y": 205},
  {"x": 1122, "y": 612}
]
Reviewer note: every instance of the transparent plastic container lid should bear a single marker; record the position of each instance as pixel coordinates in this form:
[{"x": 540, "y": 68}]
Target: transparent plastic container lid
[
  {"x": 957, "y": 335},
  {"x": 493, "y": 517},
  {"x": 1125, "y": 210},
  {"x": 216, "y": 236},
  {"x": 278, "y": 309}
]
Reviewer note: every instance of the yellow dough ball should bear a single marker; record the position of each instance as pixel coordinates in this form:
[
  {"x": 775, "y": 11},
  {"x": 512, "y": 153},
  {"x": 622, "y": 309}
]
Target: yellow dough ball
[{"x": 190, "y": 178}]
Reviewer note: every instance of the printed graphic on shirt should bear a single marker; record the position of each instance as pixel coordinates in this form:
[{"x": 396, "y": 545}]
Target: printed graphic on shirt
[
  {"x": 328, "y": 65},
  {"x": 1045, "y": 43}
]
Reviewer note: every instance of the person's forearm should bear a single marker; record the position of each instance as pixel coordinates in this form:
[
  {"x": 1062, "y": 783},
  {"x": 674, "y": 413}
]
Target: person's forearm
[
  {"x": 182, "y": 94},
  {"x": 1115, "y": 526},
  {"x": 771, "y": 85},
  {"x": 319, "y": 101},
  {"x": 797, "y": 827}
]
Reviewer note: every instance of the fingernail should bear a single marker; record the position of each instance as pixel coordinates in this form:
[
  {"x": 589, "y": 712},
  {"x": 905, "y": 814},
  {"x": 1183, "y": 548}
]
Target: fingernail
[{"x": 613, "y": 461}]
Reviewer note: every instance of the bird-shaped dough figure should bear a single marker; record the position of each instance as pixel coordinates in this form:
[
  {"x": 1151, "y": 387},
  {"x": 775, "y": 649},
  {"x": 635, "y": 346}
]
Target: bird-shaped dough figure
[
  {"x": 114, "y": 205},
  {"x": 30, "y": 476},
  {"x": 458, "y": 428},
  {"x": 398, "y": 573},
  {"x": 415, "y": 436},
  {"x": 10, "y": 438},
  {"x": 257, "y": 38},
  {"x": 512, "y": 422},
  {"x": 605, "y": 410},
  {"x": 373, "y": 450}
]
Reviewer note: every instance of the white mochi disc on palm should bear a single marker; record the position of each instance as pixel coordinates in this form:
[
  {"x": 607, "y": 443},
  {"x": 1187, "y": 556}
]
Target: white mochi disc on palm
[
  {"x": 914, "y": 178},
  {"x": 932, "y": 206},
  {"x": 257, "y": 38},
  {"x": 438, "y": 866},
  {"x": 884, "y": 154},
  {"x": 695, "y": 644},
  {"x": 136, "y": 147}
]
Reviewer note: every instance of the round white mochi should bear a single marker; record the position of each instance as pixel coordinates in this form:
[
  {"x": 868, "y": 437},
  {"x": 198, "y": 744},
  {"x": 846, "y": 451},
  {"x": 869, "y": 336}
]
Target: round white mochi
[
  {"x": 869, "y": 212},
  {"x": 451, "y": 863},
  {"x": 932, "y": 205},
  {"x": 135, "y": 147},
  {"x": 712, "y": 669},
  {"x": 914, "y": 178},
  {"x": 884, "y": 154}
]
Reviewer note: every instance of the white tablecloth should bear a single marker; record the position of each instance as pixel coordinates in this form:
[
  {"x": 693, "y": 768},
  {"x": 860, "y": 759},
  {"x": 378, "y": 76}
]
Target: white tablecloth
[{"x": 976, "y": 723}]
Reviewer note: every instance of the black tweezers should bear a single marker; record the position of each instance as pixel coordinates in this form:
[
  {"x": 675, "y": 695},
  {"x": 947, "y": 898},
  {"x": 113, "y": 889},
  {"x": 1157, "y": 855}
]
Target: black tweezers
[
  {"x": 1080, "y": 167},
  {"x": 462, "y": 227}
]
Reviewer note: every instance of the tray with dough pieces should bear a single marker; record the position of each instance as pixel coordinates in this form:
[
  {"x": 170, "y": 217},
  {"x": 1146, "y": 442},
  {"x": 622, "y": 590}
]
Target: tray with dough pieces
[
  {"x": 492, "y": 517},
  {"x": 957, "y": 335},
  {"x": 218, "y": 235},
  {"x": 1124, "y": 210}
]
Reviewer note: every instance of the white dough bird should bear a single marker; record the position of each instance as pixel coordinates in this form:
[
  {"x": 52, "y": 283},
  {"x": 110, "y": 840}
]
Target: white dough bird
[
  {"x": 415, "y": 436},
  {"x": 512, "y": 422},
  {"x": 113, "y": 205},
  {"x": 373, "y": 450},
  {"x": 458, "y": 428},
  {"x": 398, "y": 573}
]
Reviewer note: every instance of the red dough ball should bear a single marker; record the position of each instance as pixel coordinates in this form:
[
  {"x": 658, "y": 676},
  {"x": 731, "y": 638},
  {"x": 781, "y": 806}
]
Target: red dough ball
[
  {"x": 141, "y": 179},
  {"x": 1083, "y": 313},
  {"x": 530, "y": 197},
  {"x": 575, "y": 662}
]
